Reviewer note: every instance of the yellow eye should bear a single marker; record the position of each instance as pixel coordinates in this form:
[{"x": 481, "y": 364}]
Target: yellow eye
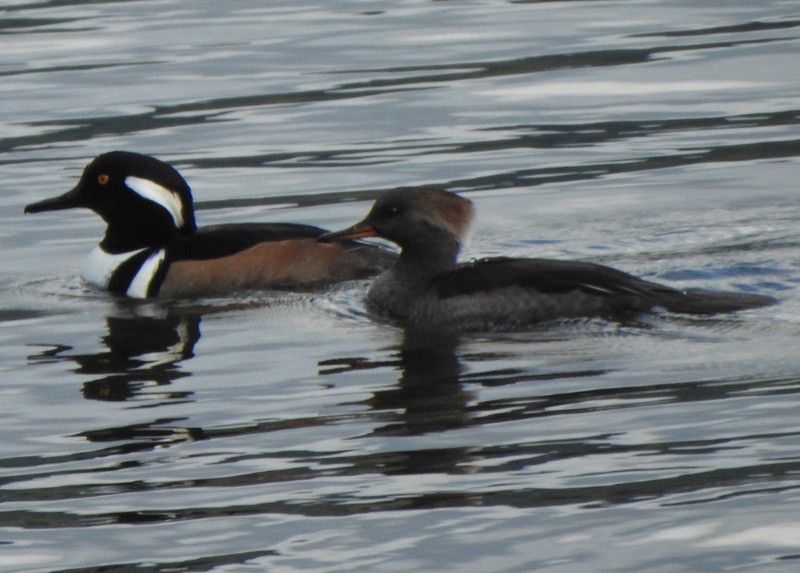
[{"x": 102, "y": 179}]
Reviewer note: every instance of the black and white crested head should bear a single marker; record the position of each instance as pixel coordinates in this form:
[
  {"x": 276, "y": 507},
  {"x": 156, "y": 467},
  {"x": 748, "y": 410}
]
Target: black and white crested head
[
  {"x": 144, "y": 201},
  {"x": 117, "y": 181}
]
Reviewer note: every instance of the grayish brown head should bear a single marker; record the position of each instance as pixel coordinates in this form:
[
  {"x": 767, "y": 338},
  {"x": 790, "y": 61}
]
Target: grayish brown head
[{"x": 421, "y": 220}]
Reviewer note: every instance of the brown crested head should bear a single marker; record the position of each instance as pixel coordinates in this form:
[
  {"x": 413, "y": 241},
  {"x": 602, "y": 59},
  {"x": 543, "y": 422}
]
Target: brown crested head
[
  {"x": 432, "y": 205},
  {"x": 427, "y": 222},
  {"x": 447, "y": 210}
]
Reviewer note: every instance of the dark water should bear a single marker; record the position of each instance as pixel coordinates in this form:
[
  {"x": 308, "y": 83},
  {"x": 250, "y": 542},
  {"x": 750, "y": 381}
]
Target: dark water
[{"x": 291, "y": 432}]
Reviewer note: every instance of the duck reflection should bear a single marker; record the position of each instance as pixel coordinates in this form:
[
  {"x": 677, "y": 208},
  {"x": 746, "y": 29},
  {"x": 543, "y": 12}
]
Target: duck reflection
[
  {"x": 435, "y": 393},
  {"x": 141, "y": 352},
  {"x": 428, "y": 398},
  {"x": 428, "y": 393},
  {"x": 429, "y": 390}
]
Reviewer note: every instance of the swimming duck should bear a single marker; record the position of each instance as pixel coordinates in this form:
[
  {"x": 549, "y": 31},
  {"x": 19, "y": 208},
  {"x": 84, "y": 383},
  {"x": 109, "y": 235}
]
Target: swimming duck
[
  {"x": 152, "y": 246},
  {"x": 426, "y": 287}
]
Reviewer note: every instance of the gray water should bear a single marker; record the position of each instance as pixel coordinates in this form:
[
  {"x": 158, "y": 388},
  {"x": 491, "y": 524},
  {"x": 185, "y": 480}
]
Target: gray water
[{"x": 294, "y": 432}]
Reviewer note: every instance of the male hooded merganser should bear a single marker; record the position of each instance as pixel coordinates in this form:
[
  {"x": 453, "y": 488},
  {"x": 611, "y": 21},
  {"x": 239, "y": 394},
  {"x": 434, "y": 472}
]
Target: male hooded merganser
[
  {"x": 427, "y": 288},
  {"x": 152, "y": 245}
]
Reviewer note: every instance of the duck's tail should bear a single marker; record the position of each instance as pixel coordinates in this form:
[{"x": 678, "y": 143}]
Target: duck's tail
[{"x": 703, "y": 301}]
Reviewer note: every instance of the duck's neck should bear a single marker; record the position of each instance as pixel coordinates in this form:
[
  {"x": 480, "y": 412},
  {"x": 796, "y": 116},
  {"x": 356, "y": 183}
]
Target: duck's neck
[
  {"x": 126, "y": 236},
  {"x": 434, "y": 254}
]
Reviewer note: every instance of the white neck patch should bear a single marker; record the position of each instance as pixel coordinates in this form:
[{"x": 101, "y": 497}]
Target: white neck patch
[
  {"x": 160, "y": 195},
  {"x": 100, "y": 265}
]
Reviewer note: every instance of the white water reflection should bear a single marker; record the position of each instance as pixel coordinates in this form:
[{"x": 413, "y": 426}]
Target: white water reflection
[{"x": 615, "y": 89}]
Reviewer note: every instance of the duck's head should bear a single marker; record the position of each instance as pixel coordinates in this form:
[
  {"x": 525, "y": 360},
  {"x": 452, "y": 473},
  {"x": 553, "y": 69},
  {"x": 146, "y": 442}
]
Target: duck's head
[
  {"x": 143, "y": 200},
  {"x": 421, "y": 220}
]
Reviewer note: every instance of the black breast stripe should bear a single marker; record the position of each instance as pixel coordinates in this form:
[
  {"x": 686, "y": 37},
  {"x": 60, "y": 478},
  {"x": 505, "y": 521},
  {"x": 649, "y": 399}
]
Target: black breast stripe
[
  {"x": 158, "y": 277},
  {"x": 121, "y": 278}
]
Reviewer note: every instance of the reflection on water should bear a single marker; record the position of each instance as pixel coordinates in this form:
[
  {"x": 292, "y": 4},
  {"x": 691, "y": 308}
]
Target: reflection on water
[
  {"x": 433, "y": 392},
  {"x": 142, "y": 353},
  {"x": 428, "y": 393},
  {"x": 432, "y": 385}
]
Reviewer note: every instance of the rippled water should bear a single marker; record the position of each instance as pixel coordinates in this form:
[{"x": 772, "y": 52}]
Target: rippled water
[{"x": 293, "y": 432}]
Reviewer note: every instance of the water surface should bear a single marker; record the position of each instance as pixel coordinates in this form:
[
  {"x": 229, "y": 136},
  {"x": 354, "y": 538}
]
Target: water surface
[{"x": 285, "y": 431}]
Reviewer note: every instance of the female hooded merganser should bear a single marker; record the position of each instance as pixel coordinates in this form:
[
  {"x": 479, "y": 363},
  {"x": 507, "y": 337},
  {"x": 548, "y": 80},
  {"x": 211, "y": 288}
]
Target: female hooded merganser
[
  {"x": 152, "y": 245},
  {"x": 427, "y": 288}
]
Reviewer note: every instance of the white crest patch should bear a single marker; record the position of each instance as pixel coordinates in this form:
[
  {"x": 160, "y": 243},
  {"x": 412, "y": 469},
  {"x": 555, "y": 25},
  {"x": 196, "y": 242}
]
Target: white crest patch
[
  {"x": 158, "y": 194},
  {"x": 141, "y": 282},
  {"x": 100, "y": 265}
]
